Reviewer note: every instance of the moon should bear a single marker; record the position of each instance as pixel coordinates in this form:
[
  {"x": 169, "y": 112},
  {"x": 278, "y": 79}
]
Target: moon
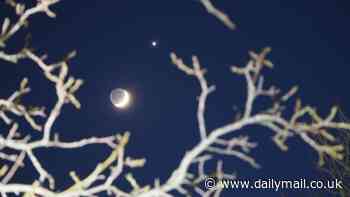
[{"x": 120, "y": 98}]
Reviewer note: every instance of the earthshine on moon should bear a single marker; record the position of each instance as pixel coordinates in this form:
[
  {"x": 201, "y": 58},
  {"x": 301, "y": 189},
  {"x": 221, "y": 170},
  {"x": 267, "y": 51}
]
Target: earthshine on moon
[{"x": 120, "y": 98}]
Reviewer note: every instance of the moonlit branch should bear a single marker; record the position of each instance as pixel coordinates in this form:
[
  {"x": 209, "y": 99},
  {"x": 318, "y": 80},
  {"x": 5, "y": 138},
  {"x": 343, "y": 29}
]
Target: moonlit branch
[
  {"x": 191, "y": 170},
  {"x": 41, "y": 6},
  {"x": 218, "y": 14},
  {"x": 284, "y": 128},
  {"x": 17, "y": 164},
  {"x": 65, "y": 87},
  {"x": 197, "y": 72}
]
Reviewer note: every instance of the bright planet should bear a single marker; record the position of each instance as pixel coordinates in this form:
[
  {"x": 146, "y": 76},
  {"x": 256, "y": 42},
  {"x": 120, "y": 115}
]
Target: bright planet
[
  {"x": 120, "y": 98},
  {"x": 154, "y": 43}
]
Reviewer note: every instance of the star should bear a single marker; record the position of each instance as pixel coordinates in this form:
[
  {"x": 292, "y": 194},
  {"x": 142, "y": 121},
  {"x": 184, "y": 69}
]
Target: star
[{"x": 154, "y": 43}]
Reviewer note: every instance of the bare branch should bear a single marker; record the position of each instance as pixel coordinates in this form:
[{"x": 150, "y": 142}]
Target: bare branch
[{"x": 218, "y": 14}]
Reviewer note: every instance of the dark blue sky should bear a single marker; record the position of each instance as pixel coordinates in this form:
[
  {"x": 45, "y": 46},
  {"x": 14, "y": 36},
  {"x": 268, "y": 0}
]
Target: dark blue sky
[{"x": 310, "y": 47}]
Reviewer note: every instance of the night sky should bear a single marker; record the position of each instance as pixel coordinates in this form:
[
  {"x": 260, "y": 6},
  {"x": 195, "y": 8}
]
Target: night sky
[{"x": 310, "y": 47}]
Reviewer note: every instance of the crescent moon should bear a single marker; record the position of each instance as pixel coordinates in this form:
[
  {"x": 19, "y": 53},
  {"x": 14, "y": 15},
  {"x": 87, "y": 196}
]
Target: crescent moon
[{"x": 124, "y": 102}]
